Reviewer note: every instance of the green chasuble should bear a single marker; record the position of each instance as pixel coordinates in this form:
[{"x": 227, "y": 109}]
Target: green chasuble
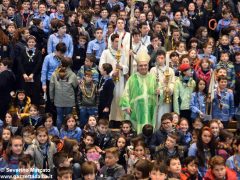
[{"x": 139, "y": 94}]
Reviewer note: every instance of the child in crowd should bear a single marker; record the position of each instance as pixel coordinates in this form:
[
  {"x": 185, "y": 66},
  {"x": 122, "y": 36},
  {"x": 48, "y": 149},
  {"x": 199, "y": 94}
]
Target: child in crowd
[
  {"x": 60, "y": 160},
  {"x": 237, "y": 83},
  {"x": 62, "y": 88},
  {"x": 194, "y": 60},
  {"x": 215, "y": 127},
  {"x": 6, "y": 137},
  {"x": 111, "y": 168},
  {"x": 218, "y": 170},
  {"x": 13, "y": 153},
  {"x": 28, "y": 134},
  {"x": 198, "y": 124},
  {"x": 195, "y": 134},
  {"x": 225, "y": 21},
  {"x": 21, "y": 104},
  {"x": 161, "y": 134},
  {"x": 174, "y": 167},
  {"x": 183, "y": 127},
  {"x": 91, "y": 125},
  {"x": 169, "y": 149},
  {"x": 228, "y": 65},
  {"x": 34, "y": 118},
  {"x": 104, "y": 138},
  {"x": 71, "y": 148},
  {"x": 70, "y": 129},
  {"x": 92, "y": 154},
  {"x": 87, "y": 98},
  {"x": 138, "y": 151},
  {"x": 233, "y": 162},
  {"x": 48, "y": 124},
  {"x": 198, "y": 100},
  {"x": 89, "y": 170},
  {"x": 89, "y": 65},
  {"x": 27, "y": 168},
  {"x": 204, "y": 70},
  {"x": 174, "y": 62},
  {"x": 176, "y": 119},
  {"x": 142, "y": 169},
  {"x": 183, "y": 87},
  {"x": 146, "y": 135},
  {"x": 98, "y": 45},
  {"x": 190, "y": 168},
  {"x": 79, "y": 53},
  {"x": 127, "y": 130},
  {"x": 224, "y": 144},
  {"x": 42, "y": 150},
  {"x": 13, "y": 122},
  {"x": 203, "y": 149},
  {"x": 88, "y": 139},
  {"x": 121, "y": 144},
  {"x": 106, "y": 87},
  {"x": 158, "y": 172},
  {"x": 224, "y": 46},
  {"x": 64, "y": 173},
  {"x": 223, "y": 102}
]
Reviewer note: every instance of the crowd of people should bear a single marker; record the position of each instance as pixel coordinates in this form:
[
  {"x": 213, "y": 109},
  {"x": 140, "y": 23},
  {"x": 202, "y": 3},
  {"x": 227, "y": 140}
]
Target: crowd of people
[{"x": 119, "y": 90}]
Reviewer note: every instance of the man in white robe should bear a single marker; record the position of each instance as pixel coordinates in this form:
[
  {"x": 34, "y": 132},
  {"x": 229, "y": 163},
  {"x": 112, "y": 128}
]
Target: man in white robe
[
  {"x": 137, "y": 47},
  {"x": 166, "y": 85},
  {"x": 119, "y": 70}
]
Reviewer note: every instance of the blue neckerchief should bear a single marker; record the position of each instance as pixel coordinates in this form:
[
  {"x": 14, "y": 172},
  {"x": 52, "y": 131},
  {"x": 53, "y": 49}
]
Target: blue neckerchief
[{"x": 186, "y": 79}]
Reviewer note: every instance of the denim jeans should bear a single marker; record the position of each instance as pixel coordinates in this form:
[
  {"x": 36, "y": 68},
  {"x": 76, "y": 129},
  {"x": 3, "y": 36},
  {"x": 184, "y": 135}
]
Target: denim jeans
[
  {"x": 61, "y": 114},
  {"x": 85, "y": 112}
]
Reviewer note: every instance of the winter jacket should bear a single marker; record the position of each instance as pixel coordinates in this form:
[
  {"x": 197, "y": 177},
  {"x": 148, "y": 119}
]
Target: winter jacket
[
  {"x": 22, "y": 111},
  {"x": 160, "y": 137},
  {"x": 62, "y": 91},
  {"x": 182, "y": 94},
  {"x": 39, "y": 155},
  {"x": 111, "y": 173},
  {"x": 230, "y": 175}
]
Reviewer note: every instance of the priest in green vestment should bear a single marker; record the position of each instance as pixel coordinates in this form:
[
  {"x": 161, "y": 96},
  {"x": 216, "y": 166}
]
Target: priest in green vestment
[{"x": 139, "y": 97}]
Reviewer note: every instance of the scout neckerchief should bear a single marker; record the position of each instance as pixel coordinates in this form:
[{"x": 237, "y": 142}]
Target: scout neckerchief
[
  {"x": 102, "y": 82},
  {"x": 30, "y": 56}
]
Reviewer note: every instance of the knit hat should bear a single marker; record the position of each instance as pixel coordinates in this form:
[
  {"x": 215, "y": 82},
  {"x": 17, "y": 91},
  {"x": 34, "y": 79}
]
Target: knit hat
[
  {"x": 184, "y": 67},
  {"x": 143, "y": 56}
]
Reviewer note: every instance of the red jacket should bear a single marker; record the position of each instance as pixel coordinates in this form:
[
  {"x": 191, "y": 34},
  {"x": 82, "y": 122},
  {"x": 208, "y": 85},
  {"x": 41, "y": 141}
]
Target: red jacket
[{"x": 230, "y": 175}]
